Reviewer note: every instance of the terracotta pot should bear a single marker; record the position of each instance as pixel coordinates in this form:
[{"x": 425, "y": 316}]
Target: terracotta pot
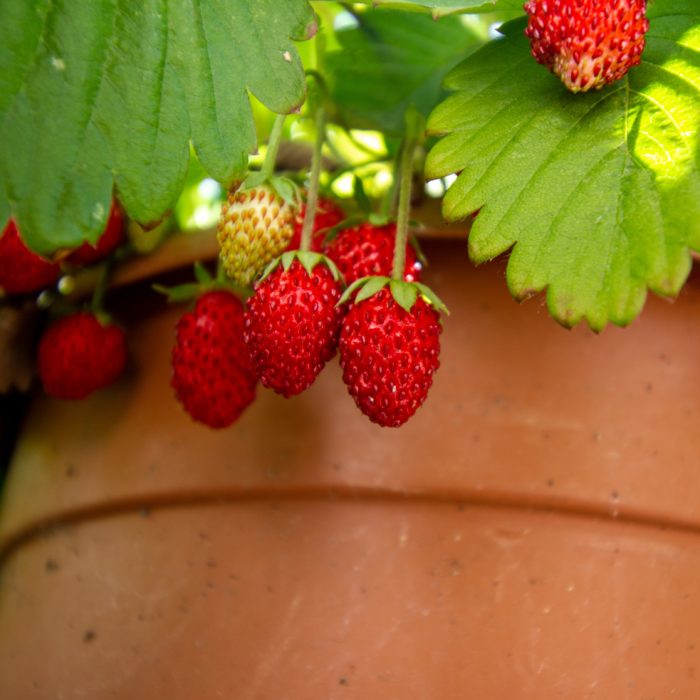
[{"x": 531, "y": 533}]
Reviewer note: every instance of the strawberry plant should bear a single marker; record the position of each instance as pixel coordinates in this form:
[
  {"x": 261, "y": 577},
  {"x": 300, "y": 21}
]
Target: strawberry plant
[{"x": 565, "y": 133}]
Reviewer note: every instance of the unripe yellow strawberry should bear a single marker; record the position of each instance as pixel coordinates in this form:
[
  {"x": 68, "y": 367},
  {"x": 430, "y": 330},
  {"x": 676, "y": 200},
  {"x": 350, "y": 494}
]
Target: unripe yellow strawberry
[{"x": 256, "y": 225}]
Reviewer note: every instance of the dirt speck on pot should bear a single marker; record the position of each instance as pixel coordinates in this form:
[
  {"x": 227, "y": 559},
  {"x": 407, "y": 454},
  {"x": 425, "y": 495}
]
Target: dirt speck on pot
[{"x": 51, "y": 565}]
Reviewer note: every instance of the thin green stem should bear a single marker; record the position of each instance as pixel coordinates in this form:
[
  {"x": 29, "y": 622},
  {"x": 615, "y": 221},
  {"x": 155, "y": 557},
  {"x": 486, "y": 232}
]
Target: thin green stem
[
  {"x": 314, "y": 175},
  {"x": 273, "y": 145},
  {"x": 339, "y": 172},
  {"x": 405, "y": 180},
  {"x": 101, "y": 287},
  {"x": 321, "y": 54},
  {"x": 221, "y": 276},
  {"x": 391, "y": 197}
]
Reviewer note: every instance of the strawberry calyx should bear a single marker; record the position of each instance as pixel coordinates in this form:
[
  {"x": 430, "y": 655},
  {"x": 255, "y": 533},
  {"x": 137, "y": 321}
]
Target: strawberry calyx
[
  {"x": 308, "y": 259},
  {"x": 330, "y": 233},
  {"x": 404, "y": 293},
  {"x": 205, "y": 282},
  {"x": 283, "y": 186}
]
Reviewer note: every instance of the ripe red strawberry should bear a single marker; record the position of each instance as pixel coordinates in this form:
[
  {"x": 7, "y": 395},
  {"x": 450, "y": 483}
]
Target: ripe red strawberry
[
  {"x": 212, "y": 375},
  {"x": 78, "y": 355},
  {"x": 328, "y": 214},
  {"x": 389, "y": 356},
  {"x": 292, "y": 322},
  {"x": 366, "y": 250},
  {"x": 255, "y": 226},
  {"x": 111, "y": 239},
  {"x": 587, "y": 43},
  {"x": 21, "y": 271}
]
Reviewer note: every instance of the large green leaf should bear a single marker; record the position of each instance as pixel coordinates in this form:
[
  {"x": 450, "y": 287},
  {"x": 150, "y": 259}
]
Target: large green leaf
[
  {"x": 442, "y": 7},
  {"x": 392, "y": 61},
  {"x": 149, "y": 144},
  {"x": 54, "y": 160},
  {"x": 597, "y": 194},
  {"x": 4, "y": 209},
  {"x": 111, "y": 91}
]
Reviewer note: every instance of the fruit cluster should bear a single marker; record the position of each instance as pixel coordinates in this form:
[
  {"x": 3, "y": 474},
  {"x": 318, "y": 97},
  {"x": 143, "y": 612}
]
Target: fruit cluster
[
  {"x": 297, "y": 318},
  {"x": 334, "y": 296}
]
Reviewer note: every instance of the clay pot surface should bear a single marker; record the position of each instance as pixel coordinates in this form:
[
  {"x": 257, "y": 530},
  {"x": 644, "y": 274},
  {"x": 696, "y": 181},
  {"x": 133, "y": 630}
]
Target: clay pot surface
[{"x": 531, "y": 533}]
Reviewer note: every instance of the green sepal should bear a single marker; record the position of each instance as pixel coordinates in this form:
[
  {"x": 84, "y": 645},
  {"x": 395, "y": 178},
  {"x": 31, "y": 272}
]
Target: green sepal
[
  {"x": 253, "y": 180},
  {"x": 428, "y": 294},
  {"x": 287, "y": 189},
  {"x": 202, "y": 274},
  {"x": 331, "y": 232},
  {"x": 308, "y": 259},
  {"x": 271, "y": 267},
  {"x": 283, "y": 186},
  {"x": 205, "y": 283},
  {"x": 351, "y": 289},
  {"x": 105, "y": 319},
  {"x": 415, "y": 243},
  {"x": 371, "y": 287},
  {"x": 361, "y": 198},
  {"x": 404, "y": 293},
  {"x": 377, "y": 219},
  {"x": 179, "y": 293}
]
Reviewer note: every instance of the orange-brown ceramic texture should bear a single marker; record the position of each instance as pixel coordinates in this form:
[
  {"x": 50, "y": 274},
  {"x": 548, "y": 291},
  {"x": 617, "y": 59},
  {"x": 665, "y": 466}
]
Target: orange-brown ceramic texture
[
  {"x": 321, "y": 600},
  {"x": 531, "y": 533}
]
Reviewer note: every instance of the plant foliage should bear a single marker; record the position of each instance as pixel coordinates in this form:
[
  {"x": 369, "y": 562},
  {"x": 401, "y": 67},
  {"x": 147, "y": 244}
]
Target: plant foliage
[
  {"x": 597, "y": 196},
  {"x": 392, "y": 61},
  {"x": 111, "y": 92}
]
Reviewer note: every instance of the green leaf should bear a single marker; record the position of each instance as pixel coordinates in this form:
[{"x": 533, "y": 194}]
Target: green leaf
[
  {"x": 226, "y": 46},
  {"x": 93, "y": 93},
  {"x": 54, "y": 162},
  {"x": 4, "y": 210},
  {"x": 25, "y": 19},
  {"x": 392, "y": 61},
  {"x": 597, "y": 194},
  {"x": 150, "y": 147},
  {"x": 442, "y": 7}
]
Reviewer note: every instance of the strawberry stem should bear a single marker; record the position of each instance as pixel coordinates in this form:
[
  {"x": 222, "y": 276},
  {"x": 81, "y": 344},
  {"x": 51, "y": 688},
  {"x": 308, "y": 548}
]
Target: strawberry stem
[
  {"x": 101, "y": 287},
  {"x": 273, "y": 145},
  {"x": 413, "y": 126},
  {"x": 221, "y": 276},
  {"x": 390, "y": 200},
  {"x": 314, "y": 175}
]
